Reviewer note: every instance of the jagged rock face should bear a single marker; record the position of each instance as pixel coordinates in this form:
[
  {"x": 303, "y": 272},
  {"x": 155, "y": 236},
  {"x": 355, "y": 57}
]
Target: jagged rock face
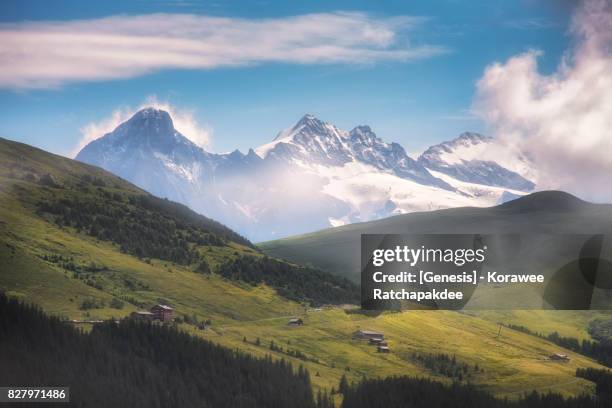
[
  {"x": 370, "y": 149},
  {"x": 313, "y": 141},
  {"x": 148, "y": 131},
  {"x": 471, "y": 158},
  {"x": 149, "y": 152},
  {"x": 310, "y": 176}
]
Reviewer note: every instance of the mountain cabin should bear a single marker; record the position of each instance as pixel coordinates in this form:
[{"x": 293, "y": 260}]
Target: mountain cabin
[
  {"x": 162, "y": 312},
  {"x": 296, "y": 322},
  {"x": 559, "y": 357},
  {"x": 367, "y": 335}
]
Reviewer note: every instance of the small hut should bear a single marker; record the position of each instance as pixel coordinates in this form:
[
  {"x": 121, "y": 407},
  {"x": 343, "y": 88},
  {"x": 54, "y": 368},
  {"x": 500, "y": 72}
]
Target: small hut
[
  {"x": 559, "y": 357},
  {"x": 367, "y": 334}
]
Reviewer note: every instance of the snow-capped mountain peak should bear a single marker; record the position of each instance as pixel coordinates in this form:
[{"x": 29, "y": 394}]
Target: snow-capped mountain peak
[
  {"x": 150, "y": 125},
  {"x": 364, "y": 134},
  {"x": 314, "y": 142},
  {"x": 479, "y": 159},
  {"x": 310, "y": 140},
  {"x": 473, "y": 137},
  {"x": 152, "y": 115},
  {"x": 311, "y": 176},
  {"x": 148, "y": 129},
  {"x": 309, "y": 125}
]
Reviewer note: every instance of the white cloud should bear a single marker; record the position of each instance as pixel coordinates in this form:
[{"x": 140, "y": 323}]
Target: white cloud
[
  {"x": 94, "y": 130},
  {"x": 50, "y": 54},
  {"x": 530, "y": 24},
  {"x": 183, "y": 119},
  {"x": 562, "y": 120}
]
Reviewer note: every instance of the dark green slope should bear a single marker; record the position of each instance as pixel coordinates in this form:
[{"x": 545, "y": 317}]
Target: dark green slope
[
  {"x": 69, "y": 183},
  {"x": 336, "y": 250}
]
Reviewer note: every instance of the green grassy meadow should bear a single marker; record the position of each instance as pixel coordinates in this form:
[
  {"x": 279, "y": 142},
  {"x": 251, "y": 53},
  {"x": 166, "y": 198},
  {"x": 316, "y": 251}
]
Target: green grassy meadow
[{"x": 512, "y": 363}]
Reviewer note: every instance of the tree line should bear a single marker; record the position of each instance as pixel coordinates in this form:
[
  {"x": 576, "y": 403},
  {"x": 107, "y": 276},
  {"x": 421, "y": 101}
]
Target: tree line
[
  {"x": 447, "y": 365},
  {"x": 137, "y": 364},
  {"x": 140, "y": 225},
  {"x": 408, "y": 392},
  {"x": 296, "y": 283},
  {"x": 598, "y": 350},
  {"x": 602, "y": 380}
]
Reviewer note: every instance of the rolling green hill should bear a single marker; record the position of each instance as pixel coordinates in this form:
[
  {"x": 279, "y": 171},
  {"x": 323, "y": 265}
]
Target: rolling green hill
[
  {"x": 54, "y": 260},
  {"x": 63, "y": 246},
  {"x": 337, "y": 250}
]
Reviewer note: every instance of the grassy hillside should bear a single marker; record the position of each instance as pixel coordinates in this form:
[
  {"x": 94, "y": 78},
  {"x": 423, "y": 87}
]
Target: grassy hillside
[
  {"x": 58, "y": 214},
  {"x": 508, "y": 365},
  {"x": 337, "y": 250},
  {"x": 60, "y": 267},
  {"x": 53, "y": 259}
]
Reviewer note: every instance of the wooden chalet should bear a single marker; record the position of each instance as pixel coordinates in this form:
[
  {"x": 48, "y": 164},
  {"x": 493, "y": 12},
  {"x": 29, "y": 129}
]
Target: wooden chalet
[{"x": 162, "y": 312}]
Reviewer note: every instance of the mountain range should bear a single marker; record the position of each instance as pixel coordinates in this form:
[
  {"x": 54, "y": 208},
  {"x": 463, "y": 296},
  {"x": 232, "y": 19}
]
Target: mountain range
[{"x": 313, "y": 175}]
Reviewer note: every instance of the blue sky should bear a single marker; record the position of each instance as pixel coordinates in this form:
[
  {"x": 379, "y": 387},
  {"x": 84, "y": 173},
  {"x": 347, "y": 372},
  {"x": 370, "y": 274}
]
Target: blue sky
[{"x": 417, "y": 98}]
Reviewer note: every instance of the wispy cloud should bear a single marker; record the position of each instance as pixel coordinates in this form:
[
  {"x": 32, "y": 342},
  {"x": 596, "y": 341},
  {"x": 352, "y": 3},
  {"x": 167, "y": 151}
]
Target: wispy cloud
[
  {"x": 561, "y": 120},
  {"x": 51, "y": 54},
  {"x": 183, "y": 119},
  {"x": 533, "y": 23}
]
